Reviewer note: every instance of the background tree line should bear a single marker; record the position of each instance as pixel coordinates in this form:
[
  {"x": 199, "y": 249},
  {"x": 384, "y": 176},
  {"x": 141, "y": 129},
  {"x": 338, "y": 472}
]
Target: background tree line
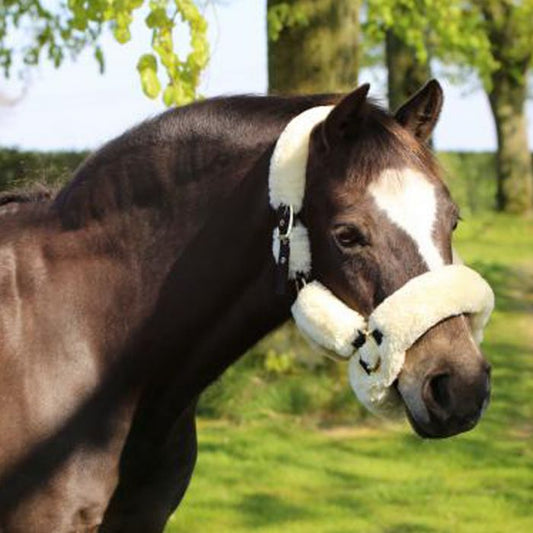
[{"x": 314, "y": 46}]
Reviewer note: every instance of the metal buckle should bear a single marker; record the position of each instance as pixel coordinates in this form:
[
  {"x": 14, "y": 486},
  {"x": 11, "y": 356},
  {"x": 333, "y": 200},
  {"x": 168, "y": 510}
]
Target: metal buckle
[{"x": 285, "y": 233}]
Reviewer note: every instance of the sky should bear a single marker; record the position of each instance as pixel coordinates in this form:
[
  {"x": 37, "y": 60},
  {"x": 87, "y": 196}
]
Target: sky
[{"x": 75, "y": 107}]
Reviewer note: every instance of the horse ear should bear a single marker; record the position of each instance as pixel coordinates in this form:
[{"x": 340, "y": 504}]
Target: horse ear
[
  {"x": 342, "y": 118},
  {"x": 420, "y": 113}
]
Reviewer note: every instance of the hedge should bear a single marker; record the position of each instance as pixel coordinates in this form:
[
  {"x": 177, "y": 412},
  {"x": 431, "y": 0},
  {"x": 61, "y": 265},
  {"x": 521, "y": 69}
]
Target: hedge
[{"x": 19, "y": 169}]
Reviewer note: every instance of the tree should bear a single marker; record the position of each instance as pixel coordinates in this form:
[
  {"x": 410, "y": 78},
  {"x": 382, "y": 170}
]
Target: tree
[
  {"x": 63, "y": 29},
  {"x": 509, "y": 27},
  {"x": 313, "y": 45},
  {"x": 493, "y": 38},
  {"x": 405, "y": 73}
]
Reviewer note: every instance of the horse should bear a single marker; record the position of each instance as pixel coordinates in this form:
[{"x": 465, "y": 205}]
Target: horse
[{"x": 134, "y": 287}]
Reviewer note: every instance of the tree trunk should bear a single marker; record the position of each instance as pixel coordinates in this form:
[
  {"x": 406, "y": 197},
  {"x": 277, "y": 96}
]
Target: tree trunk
[
  {"x": 406, "y": 74},
  {"x": 318, "y": 55},
  {"x": 507, "y": 98},
  {"x": 515, "y": 174}
]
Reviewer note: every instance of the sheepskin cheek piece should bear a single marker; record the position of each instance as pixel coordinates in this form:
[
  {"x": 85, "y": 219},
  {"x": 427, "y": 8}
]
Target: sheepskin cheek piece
[
  {"x": 375, "y": 346},
  {"x": 392, "y": 328}
]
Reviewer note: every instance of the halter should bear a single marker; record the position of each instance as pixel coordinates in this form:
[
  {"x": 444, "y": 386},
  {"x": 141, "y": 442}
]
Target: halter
[{"x": 375, "y": 346}]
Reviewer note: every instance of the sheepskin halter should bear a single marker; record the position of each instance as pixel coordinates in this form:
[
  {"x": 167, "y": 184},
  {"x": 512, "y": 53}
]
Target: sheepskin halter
[{"x": 375, "y": 346}]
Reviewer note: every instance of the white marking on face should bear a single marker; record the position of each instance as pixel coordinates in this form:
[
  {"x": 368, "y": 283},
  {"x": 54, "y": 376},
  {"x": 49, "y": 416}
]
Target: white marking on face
[{"x": 409, "y": 201}]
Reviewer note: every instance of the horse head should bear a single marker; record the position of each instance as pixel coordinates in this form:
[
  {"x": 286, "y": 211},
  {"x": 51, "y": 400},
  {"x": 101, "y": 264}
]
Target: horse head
[{"x": 378, "y": 214}]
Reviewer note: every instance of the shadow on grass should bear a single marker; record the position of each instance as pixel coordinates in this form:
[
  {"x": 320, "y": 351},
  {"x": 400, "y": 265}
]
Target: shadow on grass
[
  {"x": 406, "y": 527},
  {"x": 512, "y": 382},
  {"x": 513, "y": 287},
  {"x": 262, "y": 509}
]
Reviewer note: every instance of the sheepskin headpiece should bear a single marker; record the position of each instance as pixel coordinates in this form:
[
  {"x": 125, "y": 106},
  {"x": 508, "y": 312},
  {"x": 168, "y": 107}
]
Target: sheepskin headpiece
[
  {"x": 286, "y": 183},
  {"x": 375, "y": 346}
]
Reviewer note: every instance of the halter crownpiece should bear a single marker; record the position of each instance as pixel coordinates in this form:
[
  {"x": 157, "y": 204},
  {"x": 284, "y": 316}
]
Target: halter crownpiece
[
  {"x": 287, "y": 188},
  {"x": 375, "y": 346}
]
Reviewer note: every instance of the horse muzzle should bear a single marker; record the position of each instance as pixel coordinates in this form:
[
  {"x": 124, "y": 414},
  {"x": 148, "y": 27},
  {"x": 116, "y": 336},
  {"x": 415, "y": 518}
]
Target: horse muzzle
[
  {"x": 450, "y": 406},
  {"x": 445, "y": 381}
]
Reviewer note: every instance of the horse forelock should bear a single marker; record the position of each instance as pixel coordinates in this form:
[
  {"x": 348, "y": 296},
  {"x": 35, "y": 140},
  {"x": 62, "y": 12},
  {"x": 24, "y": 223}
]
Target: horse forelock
[{"x": 380, "y": 143}]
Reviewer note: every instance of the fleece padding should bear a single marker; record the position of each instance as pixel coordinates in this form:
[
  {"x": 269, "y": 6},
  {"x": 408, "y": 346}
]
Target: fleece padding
[
  {"x": 288, "y": 164},
  {"x": 300, "y": 255},
  {"x": 400, "y": 320},
  {"x": 286, "y": 183},
  {"x": 326, "y": 320}
]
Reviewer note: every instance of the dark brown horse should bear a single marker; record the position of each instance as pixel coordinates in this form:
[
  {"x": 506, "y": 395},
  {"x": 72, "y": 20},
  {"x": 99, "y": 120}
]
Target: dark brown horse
[{"x": 151, "y": 272}]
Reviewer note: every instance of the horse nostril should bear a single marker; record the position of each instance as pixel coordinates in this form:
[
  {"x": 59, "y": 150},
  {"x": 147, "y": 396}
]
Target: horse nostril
[
  {"x": 437, "y": 395},
  {"x": 440, "y": 390}
]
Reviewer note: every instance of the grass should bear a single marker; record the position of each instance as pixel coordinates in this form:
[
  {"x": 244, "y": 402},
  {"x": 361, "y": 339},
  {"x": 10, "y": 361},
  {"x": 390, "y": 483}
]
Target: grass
[{"x": 271, "y": 470}]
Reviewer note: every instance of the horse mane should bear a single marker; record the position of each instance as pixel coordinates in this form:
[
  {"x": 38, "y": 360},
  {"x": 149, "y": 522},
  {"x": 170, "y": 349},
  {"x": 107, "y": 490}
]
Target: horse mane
[
  {"x": 143, "y": 165},
  {"x": 134, "y": 169}
]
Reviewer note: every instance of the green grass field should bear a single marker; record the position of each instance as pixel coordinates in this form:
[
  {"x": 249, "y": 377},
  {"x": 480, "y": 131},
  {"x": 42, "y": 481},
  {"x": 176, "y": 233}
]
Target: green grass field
[{"x": 268, "y": 471}]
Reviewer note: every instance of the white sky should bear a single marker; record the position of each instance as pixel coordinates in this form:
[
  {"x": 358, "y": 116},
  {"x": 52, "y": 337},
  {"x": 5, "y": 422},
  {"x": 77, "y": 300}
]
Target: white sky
[{"x": 77, "y": 108}]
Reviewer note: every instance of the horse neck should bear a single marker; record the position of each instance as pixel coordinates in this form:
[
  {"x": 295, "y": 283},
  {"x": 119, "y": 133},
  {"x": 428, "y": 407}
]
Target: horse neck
[
  {"x": 221, "y": 289},
  {"x": 217, "y": 300},
  {"x": 205, "y": 267}
]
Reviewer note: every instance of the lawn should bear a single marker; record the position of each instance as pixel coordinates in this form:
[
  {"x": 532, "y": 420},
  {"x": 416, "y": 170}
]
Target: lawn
[{"x": 269, "y": 471}]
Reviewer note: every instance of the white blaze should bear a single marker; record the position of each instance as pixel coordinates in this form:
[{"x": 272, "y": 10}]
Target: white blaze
[{"x": 409, "y": 201}]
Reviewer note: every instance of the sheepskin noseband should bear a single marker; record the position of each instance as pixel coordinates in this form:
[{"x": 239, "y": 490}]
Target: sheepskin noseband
[{"x": 376, "y": 345}]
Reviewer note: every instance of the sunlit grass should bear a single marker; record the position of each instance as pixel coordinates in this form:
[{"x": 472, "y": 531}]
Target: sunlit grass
[{"x": 273, "y": 472}]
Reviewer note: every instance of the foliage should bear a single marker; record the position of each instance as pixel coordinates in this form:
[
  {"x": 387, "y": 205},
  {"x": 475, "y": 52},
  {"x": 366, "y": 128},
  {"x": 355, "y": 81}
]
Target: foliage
[
  {"x": 285, "y": 15},
  {"x": 451, "y": 31},
  {"x": 23, "y": 169},
  {"x": 30, "y": 29},
  {"x": 462, "y": 35},
  {"x": 471, "y": 177},
  {"x": 509, "y": 26}
]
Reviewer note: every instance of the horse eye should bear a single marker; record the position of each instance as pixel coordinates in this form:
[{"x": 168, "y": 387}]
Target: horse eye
[
  {"x": 348, "y": 236},
  {"x": 456, "y": 221}
]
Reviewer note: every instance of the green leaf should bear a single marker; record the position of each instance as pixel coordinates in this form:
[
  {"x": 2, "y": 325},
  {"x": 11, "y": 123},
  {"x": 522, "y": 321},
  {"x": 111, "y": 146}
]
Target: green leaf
[
  {"x": 99, "y": 56},
  {"x": 147, "y": 67},
  {"x": 56, "y": 30},
  {"x": 169, "y": 95}
]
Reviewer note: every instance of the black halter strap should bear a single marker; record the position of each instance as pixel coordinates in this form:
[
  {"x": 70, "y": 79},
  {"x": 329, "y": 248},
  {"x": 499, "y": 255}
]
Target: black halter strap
[
  {"x": 285, "y": 216},
  {"x": 286, "y": 219}
]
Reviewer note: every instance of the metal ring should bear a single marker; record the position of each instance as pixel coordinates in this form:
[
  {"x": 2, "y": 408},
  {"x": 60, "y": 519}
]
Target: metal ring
[{"x": 288, "y": 231}]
